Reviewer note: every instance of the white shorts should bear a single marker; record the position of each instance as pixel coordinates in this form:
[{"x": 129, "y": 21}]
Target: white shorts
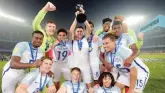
[
  {"x": 10, "y": 80},
  {"x": 86, "y": 74},
  {"x": 140, "y": 83},
  {"x": 95, "y": 67},
  {"x": 115, "y": 73},
  {"x": 60, "y": 68}
]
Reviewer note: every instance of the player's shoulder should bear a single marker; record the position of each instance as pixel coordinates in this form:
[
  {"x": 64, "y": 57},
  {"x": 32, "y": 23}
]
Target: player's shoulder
[
  {"x": 32, "y": 74},
  {"x": 123, "y": 49},
  {"x": 23, "y": 43},
  {"x": 66, "y": 83},
  {"x": 116, "y": 89},
  {"x": 82, "y": 84}
]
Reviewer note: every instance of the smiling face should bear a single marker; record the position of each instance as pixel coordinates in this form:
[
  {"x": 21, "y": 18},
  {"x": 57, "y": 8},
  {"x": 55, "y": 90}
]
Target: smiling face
[
  {"x": 50, "y": 29},
  {"x": 79, "y": 33},
  {"x": 37, "y": 40},
  {"x": 46, "y": 65},
  {"x": 108, "y": 44}
]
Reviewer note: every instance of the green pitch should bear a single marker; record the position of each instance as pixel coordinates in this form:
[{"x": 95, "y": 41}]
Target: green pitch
[{"x": 157, "y": 76}]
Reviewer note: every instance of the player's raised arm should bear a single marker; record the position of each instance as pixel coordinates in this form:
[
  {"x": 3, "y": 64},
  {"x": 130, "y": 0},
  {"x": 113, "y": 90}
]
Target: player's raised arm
[
  {"x": 88, "y": 28},
  {"x": 73, "y": 26},
  {"x": 40, "y": 16}
]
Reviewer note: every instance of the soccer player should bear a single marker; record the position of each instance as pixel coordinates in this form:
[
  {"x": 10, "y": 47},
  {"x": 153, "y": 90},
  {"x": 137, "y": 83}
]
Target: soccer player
[
  {"x": 50, "y": 26},
  {"x": 107, "y": 84},
  {"x": 131, "y": 32},
  {"x": 60, "y": 52},
  {"x": 81, "y": 49},
  {"x": 35, "y": 81},
  {"x": 125, "y": 40},
  {"x": 25, "y": 55},
  {"x": 74, "y": 85},
  {"x": 93, "y": 55},
  {"x": 134, "y": 76}
]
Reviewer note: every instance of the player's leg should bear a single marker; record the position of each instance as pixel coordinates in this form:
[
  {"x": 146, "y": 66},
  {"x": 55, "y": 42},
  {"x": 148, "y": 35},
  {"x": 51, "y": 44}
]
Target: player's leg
[
  {"x": 56, "y": 69},
  {"x": 66, "y": 72},
  {"x": 9, "y": 83},
  {"x": 95, "y": 72},
  {"x": 86, "y": 75}
]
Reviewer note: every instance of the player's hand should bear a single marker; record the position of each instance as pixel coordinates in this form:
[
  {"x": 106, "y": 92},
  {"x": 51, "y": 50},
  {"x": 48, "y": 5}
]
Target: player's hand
[
  {"x": 50, "y": 74},
  {"x": 140, "y": 36},
  {"x": 49, "y": 7},
  {"x": 119, "y": 18},
  {"x": 77, "y": 12},
  {"x": 90, "y": 90},
  {"x": 95, "y": 38},
  {"x": 128, "y": 61},
  {"x": 37, "y": 63},
  {"x": 108, "y": 66},
  {"x": 82, "y": 10},
  {"x": 130, "y": 91},
  {"x": 51, "y": 89}
]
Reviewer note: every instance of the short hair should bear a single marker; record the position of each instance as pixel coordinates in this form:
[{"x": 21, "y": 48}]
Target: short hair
[
  {"x": 106, "y": 20},
  {"x": 117, "y": 23},
  {"x": 62, "y": 30},
  {"x": 106, "y": 74},
  {"x": 75, "y": 69},
  {"x": 111, "y": 36},
  {"x": 50, "y": 21},
  {"x": 37, "y": 32},
  {"x": 45, "y": 57},
  {"x": 80, "y": 27},
  {"x": 90, "y": 22}
]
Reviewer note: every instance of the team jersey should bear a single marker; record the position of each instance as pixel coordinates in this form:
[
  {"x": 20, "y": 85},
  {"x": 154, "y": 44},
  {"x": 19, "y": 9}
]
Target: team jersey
[
  {"x": 48, "y": 40},
  {"x": 107, "y": 90},
  {"x": 61, "y": 52},
  {"x": 117, "y": 57},
  {"x": 27, "y": 54},
  {"x": 94, "y": 58},
  {"x": 125, "y": 39},
  {"x": 80, "y": 52},
  {"x": 131, "y": 32},
  {"x": 75, "y": 87},
  {"x": 36, "y": 82},
  {"x": 100, "y": 38}
]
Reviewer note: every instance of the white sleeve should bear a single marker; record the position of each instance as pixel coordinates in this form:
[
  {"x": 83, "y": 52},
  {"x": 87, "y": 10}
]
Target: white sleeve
[
  {"x": 130, "y": 40},
  {"x": 29, "y": 78},
  {"x": 19, "y": 49}
]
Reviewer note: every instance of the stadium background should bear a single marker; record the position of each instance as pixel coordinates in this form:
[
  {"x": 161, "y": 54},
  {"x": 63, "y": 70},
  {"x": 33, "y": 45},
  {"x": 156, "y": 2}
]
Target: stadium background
[{"x": 152, "y": 52}]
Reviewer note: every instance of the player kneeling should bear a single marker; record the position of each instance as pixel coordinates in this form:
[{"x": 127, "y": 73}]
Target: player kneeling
[
  {"x": 74, "y": 85},
  {"x": 35, "y": 81},
  {"x": 135, "y": 76}
]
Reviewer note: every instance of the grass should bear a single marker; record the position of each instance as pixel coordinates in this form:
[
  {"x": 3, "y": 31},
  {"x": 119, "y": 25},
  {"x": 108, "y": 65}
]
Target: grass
[{"x": 157, "y": 76}]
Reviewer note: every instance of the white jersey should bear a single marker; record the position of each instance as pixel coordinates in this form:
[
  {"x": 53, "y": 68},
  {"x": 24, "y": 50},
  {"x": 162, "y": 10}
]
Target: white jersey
[
  {"x": 125, "y": 40},
  {"x": 61, "y": 52},
  {"x": 122, "y": 53},
  {"x": 36, "y": 82},
  {"x": 107, "y": 90},
  {"x": 23, "y": 50},
  {"x": 73, "y": 87},
  {"x": 80, "y": 56},
  {"x": 94, "y": 58},
  {"x": 14, "y": 76}
]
